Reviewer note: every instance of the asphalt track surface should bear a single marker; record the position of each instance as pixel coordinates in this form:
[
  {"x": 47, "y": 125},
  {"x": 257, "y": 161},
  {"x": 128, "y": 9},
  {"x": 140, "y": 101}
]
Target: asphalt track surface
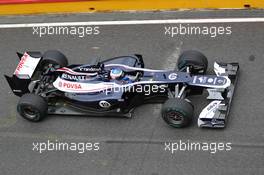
[{"x": 136, "y": 146}]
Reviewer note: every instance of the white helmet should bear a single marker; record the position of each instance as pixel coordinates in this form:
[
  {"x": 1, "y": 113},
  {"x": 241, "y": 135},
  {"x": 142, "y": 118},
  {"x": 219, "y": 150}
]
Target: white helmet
[{"x": 116, "y": 73}]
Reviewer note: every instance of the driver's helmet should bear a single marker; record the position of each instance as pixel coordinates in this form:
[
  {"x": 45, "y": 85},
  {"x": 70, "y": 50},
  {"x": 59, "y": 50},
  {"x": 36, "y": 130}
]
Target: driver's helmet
[{"x": 116, "y": 73}]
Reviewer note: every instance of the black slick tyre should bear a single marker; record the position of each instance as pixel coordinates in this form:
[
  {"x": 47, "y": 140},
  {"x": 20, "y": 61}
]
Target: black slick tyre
[
  {"x": 55, "y": 58},
  {"x": 197, "y": 62},
  {"x": 177, "y": 112},
  {"x": 32, "y": 107}
]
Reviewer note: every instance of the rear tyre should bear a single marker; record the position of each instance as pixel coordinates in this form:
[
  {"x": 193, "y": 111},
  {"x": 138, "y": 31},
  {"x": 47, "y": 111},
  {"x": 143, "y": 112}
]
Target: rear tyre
[
  {"x": 177, "y": 112},
  {"x": 197, "y": 62},
  {"x": 55, "y": 58},
  {"x": 32, "y": 107}
]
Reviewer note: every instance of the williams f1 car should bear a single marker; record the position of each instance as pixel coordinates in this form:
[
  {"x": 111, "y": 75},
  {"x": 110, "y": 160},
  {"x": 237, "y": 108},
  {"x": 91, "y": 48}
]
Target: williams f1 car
[{"x": 114, "y": 87}]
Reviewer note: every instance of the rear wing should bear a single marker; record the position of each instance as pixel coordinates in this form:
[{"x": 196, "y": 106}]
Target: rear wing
[{"x": 23, "y": 73}]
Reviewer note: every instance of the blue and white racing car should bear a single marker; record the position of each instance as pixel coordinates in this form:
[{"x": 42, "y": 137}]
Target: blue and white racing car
[{"x": 114, "y": 87}]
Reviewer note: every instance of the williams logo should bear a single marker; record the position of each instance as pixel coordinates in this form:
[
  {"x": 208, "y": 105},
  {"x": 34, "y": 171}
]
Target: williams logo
[{"x": 104, "y": 104}]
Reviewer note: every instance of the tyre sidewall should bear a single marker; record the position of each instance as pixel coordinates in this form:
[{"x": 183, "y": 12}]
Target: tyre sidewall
[
  {"x": 54, "y": 57},
  {"x": 35, "y": 103},
  {"x": 21, "y": 107},
  {"x": 185, "y": 119},
  {"x": 185, "y": 110},
  {"x": 192, "y": 58}
]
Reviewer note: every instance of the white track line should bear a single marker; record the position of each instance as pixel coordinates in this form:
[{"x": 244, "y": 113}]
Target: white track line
[{"x": 136, "y": 22}]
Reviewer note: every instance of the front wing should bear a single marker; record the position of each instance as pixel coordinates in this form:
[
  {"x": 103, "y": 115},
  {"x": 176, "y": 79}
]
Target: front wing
[{"x": 214, "y": 115}]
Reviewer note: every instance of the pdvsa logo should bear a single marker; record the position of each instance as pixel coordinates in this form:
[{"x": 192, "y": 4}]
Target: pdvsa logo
[
  {"x": 104, "y": 104},
  {"x": 71, "y": 85}
]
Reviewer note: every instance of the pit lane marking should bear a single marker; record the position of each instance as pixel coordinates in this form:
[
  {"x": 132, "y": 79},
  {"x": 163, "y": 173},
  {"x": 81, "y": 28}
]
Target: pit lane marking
[{"x": 136, "y": 22}]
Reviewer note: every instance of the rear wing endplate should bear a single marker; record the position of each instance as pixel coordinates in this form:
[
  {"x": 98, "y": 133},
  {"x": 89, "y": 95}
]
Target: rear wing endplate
[{"x": 25, "y": 69}]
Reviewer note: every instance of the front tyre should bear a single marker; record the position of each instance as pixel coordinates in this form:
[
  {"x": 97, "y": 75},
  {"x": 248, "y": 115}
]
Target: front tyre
[
  {"x": 177, "y": 112},
  {"x": 193, "y": 59},
  {"x": 32, "y": 107}
]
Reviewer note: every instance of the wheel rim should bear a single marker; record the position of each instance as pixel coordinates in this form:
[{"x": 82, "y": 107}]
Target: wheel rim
[
  {"x": 197, "y": 68},
  {"x": 30, "y": 112},
  {"x": 175, "y": 117},
  {"x": 45, "y": 64}
]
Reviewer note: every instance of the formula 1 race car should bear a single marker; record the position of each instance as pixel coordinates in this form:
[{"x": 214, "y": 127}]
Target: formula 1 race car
[{"x": 114, "y": 87}]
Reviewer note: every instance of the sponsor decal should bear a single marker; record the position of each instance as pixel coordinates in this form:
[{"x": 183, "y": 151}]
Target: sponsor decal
[
  {"x": 210, "y": 80},
  {"x": 172, "y": 76},
  {"x": 21, "y": 63},
  {"x": 213, "y": 105},
  {"x": 143, "y": 86},
  {"x": 194, "y": 79},
  {"x": 74, "y": 77},
  {"x": 202, "y": 79},
  {"x": 221, "y": 81},
  {"x": 210, "y": 110},
  {"x": 70, "y": 85},
  {"x": 104, "y": 104},
  {"x": 214, "y": 80},
  {"x": 26, "y": 66},
  {"x": 71, "y": 72},
  {"x": 89, "y": 69}
]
